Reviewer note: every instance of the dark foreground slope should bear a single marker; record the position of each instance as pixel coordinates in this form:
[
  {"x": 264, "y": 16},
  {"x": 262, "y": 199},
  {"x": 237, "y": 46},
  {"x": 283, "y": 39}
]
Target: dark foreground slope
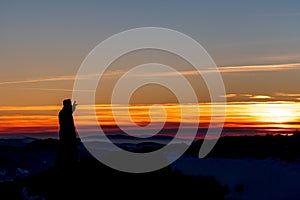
[{"x": 92, "y": 180}]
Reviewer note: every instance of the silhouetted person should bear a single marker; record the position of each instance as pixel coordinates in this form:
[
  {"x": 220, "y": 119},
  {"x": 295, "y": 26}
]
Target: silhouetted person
[{"x": 67, "y": 153}]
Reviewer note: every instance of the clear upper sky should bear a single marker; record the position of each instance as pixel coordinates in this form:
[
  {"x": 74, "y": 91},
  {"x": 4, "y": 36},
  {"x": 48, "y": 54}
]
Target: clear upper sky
[{"x": 50, "y": 39}]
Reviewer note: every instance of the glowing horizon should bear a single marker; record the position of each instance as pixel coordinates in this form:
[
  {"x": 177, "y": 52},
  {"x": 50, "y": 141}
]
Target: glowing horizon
[{"x": 278, "y": 116}]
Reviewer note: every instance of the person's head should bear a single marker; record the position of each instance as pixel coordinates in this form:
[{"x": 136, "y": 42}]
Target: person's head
[{"x": 67, "y": 103}]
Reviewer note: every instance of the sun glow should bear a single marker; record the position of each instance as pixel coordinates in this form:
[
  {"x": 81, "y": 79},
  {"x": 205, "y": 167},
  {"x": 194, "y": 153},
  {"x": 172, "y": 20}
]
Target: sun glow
[
  {"x": 275, "y": 113},
  {"x": 279, "y": 115}
]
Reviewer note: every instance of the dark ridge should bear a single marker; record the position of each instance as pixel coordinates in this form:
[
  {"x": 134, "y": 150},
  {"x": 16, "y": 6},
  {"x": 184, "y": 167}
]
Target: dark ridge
[
  {"x": 287, "y": 148},
  {"x": 92, "y": 180}
]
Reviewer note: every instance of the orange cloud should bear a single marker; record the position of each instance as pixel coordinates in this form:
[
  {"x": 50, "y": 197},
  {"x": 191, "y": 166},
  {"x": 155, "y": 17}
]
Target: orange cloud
[
  {"x": 230, "y": 95},
  {"x": 246, "y": 95},
  {"x": 281, "y": 94},
  {"x": 250, "y": 96},
  {"x": 260, "y": 97}
]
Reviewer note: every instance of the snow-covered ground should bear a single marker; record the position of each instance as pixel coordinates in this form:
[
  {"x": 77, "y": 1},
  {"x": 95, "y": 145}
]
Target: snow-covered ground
[{"x": 248, "y": 178}]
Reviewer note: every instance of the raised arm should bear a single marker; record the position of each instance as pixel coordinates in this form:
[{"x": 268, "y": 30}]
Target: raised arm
[{"x": 74, "y": 106}]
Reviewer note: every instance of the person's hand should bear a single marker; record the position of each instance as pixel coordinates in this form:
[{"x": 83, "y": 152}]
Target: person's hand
[{"x": 74, "y": 106}]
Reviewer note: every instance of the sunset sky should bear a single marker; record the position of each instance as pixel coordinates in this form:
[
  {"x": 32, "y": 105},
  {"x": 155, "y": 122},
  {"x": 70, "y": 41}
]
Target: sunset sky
[{"x": 255, "y": 44}]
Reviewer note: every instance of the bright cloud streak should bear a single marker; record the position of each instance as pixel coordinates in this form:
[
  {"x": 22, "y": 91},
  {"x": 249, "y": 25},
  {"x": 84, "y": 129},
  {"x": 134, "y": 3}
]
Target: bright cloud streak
[
  {"x": 49, "y": 79},
  {"x": 248, "y": 96},
  {"x": 260, "y": 97},
  {"x": 229, "y": 95},
  {"x": 57, "y": 89},
  {"x": 257, "y": 68},
  {"x": 226, "y": 69},
  {"x": 281, "y": 94},
  {"x": 59, "y": 78}
]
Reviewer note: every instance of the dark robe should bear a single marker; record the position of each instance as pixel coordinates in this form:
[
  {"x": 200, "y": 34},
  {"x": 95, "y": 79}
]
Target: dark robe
[{"x": 67, "y": 154}]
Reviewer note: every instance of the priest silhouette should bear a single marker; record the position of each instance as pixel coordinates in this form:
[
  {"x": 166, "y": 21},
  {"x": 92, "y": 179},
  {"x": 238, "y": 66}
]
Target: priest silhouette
[{"x": 67, "y": 154}]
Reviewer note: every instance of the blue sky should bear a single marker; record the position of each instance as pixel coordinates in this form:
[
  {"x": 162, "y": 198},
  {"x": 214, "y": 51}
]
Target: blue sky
[{"x": 48, "y": 39}]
